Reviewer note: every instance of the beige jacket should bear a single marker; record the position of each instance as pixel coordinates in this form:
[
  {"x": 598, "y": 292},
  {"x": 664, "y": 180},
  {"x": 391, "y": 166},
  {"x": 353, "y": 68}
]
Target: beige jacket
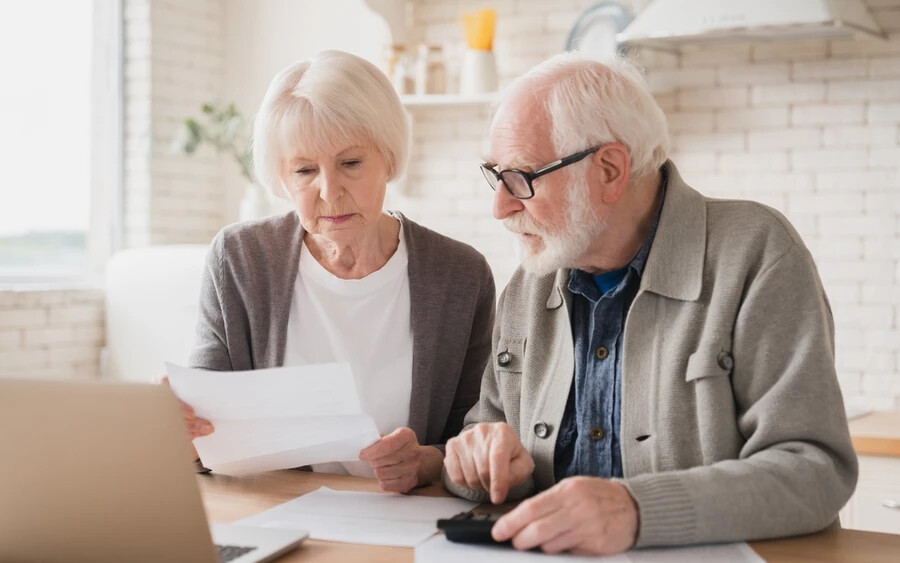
[{"x": 733, "y": 426}]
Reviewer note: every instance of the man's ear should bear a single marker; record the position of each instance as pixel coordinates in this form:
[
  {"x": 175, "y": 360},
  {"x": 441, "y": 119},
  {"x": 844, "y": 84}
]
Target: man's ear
[{"x": 612, "y": 171}]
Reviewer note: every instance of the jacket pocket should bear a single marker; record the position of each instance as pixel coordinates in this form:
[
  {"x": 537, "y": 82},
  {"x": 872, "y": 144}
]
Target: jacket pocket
[
  {"x": 709, "y": 361},
  {"x": 708, "y": 378}
]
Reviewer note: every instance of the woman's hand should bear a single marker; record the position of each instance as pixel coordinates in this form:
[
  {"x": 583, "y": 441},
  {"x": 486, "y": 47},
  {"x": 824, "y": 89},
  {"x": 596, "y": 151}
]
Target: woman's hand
[
  {"x": 194, "y": 425},
  {"x": 400, "y": 463}
]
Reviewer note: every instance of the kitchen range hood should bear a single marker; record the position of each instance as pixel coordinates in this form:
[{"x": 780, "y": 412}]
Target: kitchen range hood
[{"x": 669, "y": 24}]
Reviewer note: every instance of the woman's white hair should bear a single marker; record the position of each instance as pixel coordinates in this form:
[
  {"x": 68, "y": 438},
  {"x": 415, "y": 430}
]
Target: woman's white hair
[
  {"x": 324, "y": 104},
  {"x": 592, "y": 102}
]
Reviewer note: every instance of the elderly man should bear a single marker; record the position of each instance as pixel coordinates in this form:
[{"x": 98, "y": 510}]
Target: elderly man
[{"x": 663, "y": 363}]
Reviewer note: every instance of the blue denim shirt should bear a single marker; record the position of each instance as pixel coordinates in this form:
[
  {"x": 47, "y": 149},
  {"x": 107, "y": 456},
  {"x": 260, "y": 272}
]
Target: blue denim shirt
[{"x": 588, "y": 439}]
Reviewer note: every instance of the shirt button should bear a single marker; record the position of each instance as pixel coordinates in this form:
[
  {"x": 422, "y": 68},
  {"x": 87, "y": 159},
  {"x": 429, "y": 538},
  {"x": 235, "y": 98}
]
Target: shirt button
[
  {"x": 503, "y": 358},
  {"x": 596, "y": 434},
  {"x": 541, "y": 429},
  {"x": 601, "y": 353},
  {"x": 726, "y": 362}
]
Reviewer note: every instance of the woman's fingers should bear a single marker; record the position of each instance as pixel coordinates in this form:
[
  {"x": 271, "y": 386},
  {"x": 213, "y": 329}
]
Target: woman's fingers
[
  {"x": 201, "y": 427},
  {"x": 195, "y": 426},
  {"x": 198, "y": 427},
  {"x": 401, "y": 485},
  {"x": 187, "y": 411},
  {"x": 398, "y": 478},
  {"x": 396, "y": 471},
  {"x": 395, "y": 459},
  {"x": 391, "y": 449}
]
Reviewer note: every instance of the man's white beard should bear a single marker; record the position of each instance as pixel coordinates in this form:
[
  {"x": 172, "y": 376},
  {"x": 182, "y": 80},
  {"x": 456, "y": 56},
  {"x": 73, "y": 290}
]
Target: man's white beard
[{"x": 561, "y": 249}]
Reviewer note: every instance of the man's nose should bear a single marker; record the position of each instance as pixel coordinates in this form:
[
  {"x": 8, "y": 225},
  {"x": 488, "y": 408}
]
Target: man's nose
[{"x": 504, "y": 202}]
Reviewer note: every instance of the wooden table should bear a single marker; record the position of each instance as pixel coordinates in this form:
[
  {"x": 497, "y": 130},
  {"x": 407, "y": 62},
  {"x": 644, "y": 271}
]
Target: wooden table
[
  {"x": 876, "y": 433},
  {"x": 229, "y": 498}
]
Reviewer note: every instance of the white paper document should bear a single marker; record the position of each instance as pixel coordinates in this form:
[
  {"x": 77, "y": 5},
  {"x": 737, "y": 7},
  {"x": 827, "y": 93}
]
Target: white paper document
[
  {"x": 275, "y": 418},
  {"x": 370, "y": 518},
  {"x": 439, "y": 550}
]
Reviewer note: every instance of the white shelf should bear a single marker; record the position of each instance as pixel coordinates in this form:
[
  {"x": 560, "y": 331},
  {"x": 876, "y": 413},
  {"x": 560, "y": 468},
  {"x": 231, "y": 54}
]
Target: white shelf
[{"x": 435, "y": 100}]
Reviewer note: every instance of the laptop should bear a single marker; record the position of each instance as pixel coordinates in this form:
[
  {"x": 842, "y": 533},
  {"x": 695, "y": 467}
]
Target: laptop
[{"x": 101, "y": 472}]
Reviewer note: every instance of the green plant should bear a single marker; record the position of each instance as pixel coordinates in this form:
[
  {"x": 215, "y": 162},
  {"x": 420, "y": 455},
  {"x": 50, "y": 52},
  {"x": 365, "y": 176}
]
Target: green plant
[{"x": 223, "y": 128}]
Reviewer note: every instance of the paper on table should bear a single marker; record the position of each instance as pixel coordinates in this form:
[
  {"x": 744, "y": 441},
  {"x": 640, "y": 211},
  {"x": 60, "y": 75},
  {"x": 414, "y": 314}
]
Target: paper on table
[
  {"x": 439, "y": 550},
  {"x": 354, "y": 517},
  {"x": 275, "y": 418}
]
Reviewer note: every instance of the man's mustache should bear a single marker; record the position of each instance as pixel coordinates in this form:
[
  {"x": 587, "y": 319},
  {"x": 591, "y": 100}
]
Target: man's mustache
[{"x": 521, "y": 223}]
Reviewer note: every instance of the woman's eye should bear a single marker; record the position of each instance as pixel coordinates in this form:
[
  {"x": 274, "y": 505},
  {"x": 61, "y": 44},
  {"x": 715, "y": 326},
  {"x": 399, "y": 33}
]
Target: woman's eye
[
  {"x": 306, "y": 171},
  {"x": 351, "y": 163}
]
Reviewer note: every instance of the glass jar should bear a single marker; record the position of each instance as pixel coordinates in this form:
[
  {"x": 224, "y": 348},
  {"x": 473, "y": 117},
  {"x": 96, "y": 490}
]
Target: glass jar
[{"x": 430, "y": 71}]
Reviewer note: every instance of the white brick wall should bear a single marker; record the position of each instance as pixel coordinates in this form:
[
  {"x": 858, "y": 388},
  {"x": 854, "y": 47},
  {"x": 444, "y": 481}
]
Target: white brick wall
[
  {"x": 811, "y": 127},
  {"x": 51, "y": 333},
  {"x": 174, "y": 62}
]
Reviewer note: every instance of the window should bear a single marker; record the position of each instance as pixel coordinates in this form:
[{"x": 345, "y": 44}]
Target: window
[{"x": 53, "y": 58}]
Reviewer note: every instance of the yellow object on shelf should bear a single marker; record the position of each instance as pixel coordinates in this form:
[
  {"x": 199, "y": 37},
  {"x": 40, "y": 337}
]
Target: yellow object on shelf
[{"x": 479, "y": 29}]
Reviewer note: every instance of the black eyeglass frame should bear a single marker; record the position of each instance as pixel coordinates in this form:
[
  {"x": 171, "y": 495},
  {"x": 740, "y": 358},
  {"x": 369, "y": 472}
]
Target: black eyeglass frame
[{"x": 531, "y": 176}]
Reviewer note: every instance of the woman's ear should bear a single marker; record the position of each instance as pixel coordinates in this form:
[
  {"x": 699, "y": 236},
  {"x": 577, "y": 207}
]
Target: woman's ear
[{"x": 612, "y": 171}]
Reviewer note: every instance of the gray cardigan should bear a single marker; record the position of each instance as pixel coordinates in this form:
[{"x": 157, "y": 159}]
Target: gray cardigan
[
  {"x": 245, "y": 300},
  {"x": 733, "y": 427}
]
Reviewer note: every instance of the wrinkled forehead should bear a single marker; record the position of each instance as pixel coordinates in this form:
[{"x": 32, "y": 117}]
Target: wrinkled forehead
[{"x": 521, "y": 134}]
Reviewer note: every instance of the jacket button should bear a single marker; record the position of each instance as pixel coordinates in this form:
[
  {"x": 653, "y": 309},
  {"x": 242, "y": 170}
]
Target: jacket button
[
  {"x": 541, "y": 429},
  {"x": 726, "y": 362},
  {"x": 503, "y": 358},
  {"x": 601, "y": 353},
  {"x": 596, "y": 434}
]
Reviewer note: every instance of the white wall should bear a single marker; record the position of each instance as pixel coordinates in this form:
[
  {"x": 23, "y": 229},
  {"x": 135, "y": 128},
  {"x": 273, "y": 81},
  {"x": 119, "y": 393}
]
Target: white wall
[
  {"x": 174, "y": 63},
  {"x": 264, "y": 36}
]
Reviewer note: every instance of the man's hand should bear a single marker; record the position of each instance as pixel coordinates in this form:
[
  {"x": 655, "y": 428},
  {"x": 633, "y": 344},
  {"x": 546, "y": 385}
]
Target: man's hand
[
  {"x": 488, "y": 457},
  {"x": 583, "y": 515},
  {"x": 400, "y": 463}
]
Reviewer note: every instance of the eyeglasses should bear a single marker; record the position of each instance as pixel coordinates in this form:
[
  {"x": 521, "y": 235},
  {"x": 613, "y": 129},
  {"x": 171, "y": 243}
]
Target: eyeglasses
[{"x": 518, "y": 182}]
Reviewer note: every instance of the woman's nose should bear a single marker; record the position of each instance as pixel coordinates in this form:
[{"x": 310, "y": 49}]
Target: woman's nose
[{"x": 329, "y": 186}]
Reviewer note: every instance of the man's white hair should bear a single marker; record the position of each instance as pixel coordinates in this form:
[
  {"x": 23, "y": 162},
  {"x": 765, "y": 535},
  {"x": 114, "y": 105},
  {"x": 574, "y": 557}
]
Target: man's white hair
[
  {"x": 324, "y": 104},
  {"x": 591, "y": 102}
]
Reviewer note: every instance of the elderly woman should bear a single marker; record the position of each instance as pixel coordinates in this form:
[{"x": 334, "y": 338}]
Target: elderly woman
[{"x": 340, "y": 279}]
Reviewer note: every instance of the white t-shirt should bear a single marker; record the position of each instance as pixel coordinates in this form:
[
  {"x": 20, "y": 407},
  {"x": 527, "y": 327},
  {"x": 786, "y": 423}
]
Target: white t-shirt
[{"x": 363, "y": 322}]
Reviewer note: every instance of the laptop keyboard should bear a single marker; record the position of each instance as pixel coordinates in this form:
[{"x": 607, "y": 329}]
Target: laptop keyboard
[{"x": 230, "y": 552}]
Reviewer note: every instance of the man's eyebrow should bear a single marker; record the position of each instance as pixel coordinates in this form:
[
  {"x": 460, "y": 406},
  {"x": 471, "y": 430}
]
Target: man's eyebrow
[{"x": 517, "y": 162}]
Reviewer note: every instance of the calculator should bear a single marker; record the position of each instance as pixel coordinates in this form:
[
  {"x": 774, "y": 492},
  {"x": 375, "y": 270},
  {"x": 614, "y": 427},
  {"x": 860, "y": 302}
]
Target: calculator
[{"x": 470, "y": 527}]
